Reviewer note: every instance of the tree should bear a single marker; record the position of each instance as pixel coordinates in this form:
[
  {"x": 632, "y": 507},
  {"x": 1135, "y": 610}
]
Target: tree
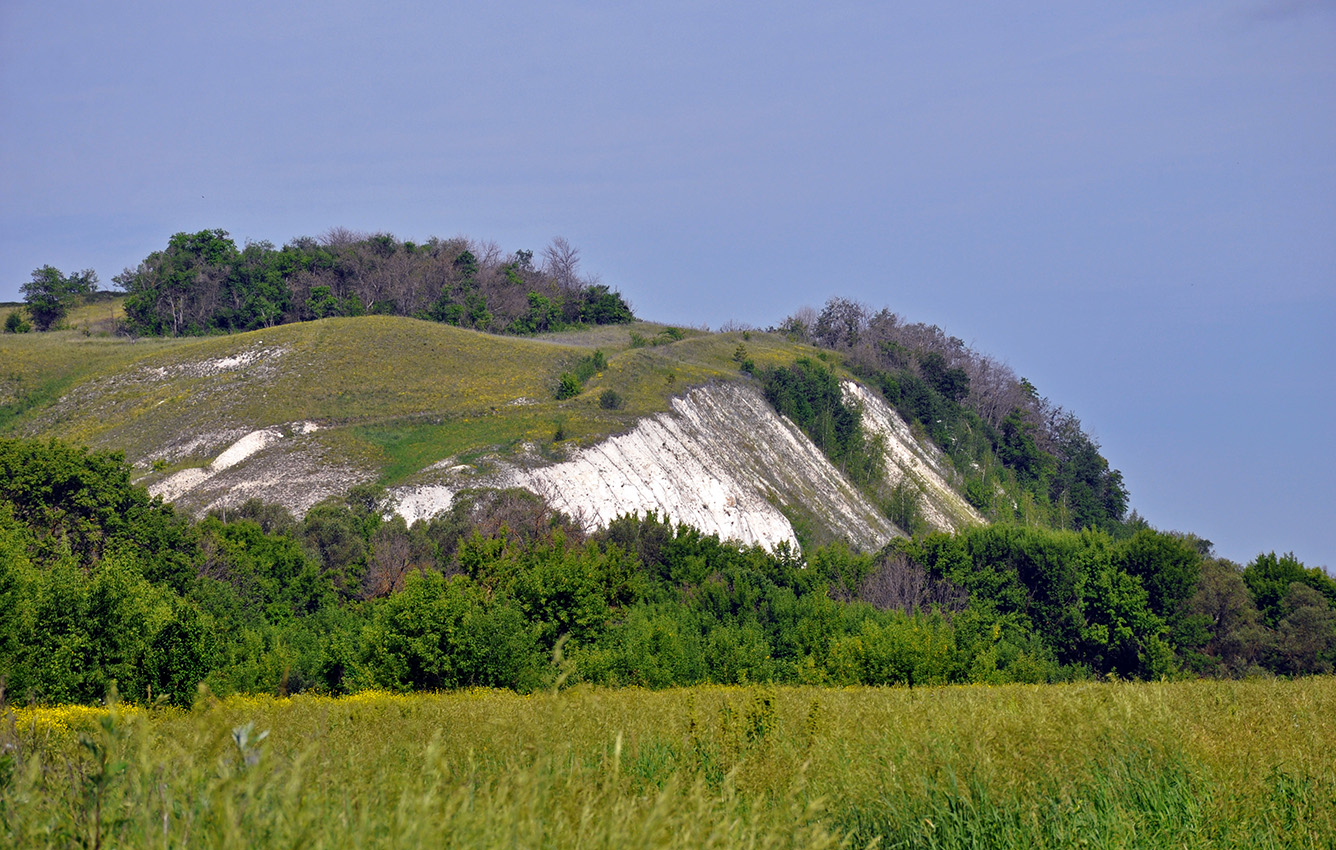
[
  {"x": 1019, "y": 450},
  {"x": 1169, "y": 568},
  {"x": 180, "y": 289},
  {"x": 50, "y": 294},
  {"x": 1222, "y": 603},
  {"x": 83, "y": 504},
  {"x": 604, "y": 307},
  {"x": 438, "y": 633},
  {"x": 1307, "y": 635},
  {"x": 841, "y": 323},
  {"x": 561, "y": 262},
  {"x": 1269, "y": 578},
  {"x": 953, "y": 383},
  {"x": 322, "y": 302}
]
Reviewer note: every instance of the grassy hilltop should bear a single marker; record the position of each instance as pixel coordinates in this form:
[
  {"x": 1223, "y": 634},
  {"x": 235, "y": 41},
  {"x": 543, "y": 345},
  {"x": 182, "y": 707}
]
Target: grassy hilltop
[{"x": 391, "y": 394}]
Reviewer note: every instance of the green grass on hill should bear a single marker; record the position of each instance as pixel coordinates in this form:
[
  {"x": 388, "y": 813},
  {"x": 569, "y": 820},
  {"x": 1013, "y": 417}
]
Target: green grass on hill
[
  {"x": 37, "y": 368},
  {"x": 392, "y": 394},
  {"x": 1201, "y": 764}
]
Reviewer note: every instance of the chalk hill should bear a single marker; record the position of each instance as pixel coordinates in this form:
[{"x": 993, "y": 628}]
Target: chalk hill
[{"x": 300, "y": 412}]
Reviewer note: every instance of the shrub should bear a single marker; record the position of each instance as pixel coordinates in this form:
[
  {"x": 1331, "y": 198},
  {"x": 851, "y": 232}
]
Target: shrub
[
  {"x": 15, "y": 324},
  {"x": 590, "y": 366},
  {"x": 569, "y": 386},
  {"x": 611, "y": 400},
  {"x": 439, "y": 633}
]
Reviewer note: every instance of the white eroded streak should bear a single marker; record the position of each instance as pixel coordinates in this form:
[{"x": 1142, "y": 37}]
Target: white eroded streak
[{"x": 720, "y": 461}]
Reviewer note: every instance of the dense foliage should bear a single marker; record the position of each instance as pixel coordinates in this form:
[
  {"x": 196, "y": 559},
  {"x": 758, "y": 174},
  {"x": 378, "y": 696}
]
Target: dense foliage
[
  {"x": 203, "y": 283},
  {"x": 1019, "y": 456},
  {"x": 49, "y": 296},
  {"x": 809, "y": 394},
  {"x": 99, "y": 583}
]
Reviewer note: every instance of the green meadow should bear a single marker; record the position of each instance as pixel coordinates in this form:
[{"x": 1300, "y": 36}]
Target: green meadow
[{"x": 1203, "y": 764}]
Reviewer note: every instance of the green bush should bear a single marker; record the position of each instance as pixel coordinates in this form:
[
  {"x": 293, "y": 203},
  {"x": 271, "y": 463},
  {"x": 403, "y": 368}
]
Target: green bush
[
  {"x": 15, "y": 324},
  {"x": 79, "y": 632},
  {"x": 611, "y": 400},
  {"x": 568, "y": 386},
  {"x": 447, "y": 633}
]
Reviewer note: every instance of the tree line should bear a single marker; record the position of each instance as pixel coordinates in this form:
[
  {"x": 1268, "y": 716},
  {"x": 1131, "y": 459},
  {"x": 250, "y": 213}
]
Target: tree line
[
  {"x": 100, "y": 582},
  {"x": 203, "y": 283},
  {"x": 1019, "y": 456}
]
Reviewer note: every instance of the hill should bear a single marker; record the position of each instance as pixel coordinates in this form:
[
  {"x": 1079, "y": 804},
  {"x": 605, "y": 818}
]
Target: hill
[
  {"x": 664, "y": 419},
  {"x": 925, "y": 432},
  {"x": 759, "y": 465}
]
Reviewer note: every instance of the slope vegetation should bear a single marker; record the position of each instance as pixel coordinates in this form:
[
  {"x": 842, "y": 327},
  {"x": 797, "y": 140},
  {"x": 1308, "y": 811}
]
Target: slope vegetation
[{"x": 297, "y": 413}]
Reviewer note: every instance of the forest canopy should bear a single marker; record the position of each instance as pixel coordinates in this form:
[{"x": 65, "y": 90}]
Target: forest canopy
[
  {"x": 98, "y": 582},
  {"x": 203, "y": 283}
]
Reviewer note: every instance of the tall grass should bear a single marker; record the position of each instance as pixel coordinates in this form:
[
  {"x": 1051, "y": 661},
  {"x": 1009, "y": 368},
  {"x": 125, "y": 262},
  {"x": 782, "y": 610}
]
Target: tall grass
[{"x": 1194, "y": 764}]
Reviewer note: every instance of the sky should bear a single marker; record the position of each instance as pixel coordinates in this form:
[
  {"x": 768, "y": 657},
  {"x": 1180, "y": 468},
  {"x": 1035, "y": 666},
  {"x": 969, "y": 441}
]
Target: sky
[{"x": 1132, "y": 204}]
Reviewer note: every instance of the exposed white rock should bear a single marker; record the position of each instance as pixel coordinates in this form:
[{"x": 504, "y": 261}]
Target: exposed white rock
[
  {"x": 179, "y": 483},
  {"x": 721, "y": 460},
  {"x": 906, "y": 458},
  {"x": 425, "y": 502},
  {"x": 217, "y": 365},
  {"x": 187, "y": 480}
]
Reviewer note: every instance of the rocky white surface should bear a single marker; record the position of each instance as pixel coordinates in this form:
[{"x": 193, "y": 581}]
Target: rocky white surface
[
  {"x": 942, "y": 506},
  {"x": 721, "y": 460},
  {"x": 186, "y": 481},
  {"x": 217, "y": 365}
]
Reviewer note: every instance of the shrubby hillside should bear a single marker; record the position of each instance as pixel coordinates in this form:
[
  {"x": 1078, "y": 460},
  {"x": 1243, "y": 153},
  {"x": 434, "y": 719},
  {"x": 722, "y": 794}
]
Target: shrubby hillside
[
  {"x": 100, "y": 582},
  {"x": 485, "y": 488},
  {"x": 1022, "y": 457}
]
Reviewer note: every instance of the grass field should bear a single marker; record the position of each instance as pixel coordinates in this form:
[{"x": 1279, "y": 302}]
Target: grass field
[
  {"x": 1192, "y": 764},
  {"x": 36, "y": 368}
]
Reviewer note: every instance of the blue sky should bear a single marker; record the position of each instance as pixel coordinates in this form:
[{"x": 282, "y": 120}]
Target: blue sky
[{"x": 1133, "y": 204}]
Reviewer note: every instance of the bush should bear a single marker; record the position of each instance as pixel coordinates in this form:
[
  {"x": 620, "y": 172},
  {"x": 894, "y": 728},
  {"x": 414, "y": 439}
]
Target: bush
[
  {"x": 15, "y": 324},
  {"x": 569, "y": 386},
  {"x": 611, "y": 400},
  {"x": 446, "y": 633}
]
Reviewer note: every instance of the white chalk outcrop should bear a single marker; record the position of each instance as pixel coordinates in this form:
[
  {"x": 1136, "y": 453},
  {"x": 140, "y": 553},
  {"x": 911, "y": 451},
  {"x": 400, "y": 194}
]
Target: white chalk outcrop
[
  {"x": 721, "y": 460},
  {"x": 217, "y": 365},
  {"x": 273, "y": 464},
  {"x": 908, "y": 460}
]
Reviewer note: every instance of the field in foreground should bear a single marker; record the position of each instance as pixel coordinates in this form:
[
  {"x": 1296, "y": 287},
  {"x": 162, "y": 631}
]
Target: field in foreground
[{"x": 1193, "y": 764}]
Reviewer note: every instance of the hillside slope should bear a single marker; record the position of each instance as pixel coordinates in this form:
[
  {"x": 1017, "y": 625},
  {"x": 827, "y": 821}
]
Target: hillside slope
[{"x": 301, "y": 412}]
